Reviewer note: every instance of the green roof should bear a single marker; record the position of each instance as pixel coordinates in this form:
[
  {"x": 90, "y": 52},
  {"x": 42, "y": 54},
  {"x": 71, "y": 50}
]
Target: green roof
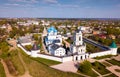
[{"x": 113, "y": 45}]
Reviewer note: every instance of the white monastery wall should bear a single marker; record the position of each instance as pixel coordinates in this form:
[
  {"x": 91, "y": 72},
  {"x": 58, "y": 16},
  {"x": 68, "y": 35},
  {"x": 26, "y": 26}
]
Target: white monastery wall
[{"x": 92, "y": 55}]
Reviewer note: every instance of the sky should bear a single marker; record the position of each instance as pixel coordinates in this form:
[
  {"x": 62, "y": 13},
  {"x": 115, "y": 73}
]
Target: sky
[{"x": 60, "y": 8}]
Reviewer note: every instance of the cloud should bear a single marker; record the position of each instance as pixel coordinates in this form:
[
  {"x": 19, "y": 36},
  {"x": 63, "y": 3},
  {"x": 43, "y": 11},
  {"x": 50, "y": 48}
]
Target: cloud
[
  {"x": 18, "y": 5},
  {"x": 51, "y": 1},
  {"x": 65, "y": 5},
  {"x": 24, "y": 1},
  {"x": 12, "y": 4}
]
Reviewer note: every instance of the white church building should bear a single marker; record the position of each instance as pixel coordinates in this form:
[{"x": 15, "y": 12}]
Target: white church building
[
  {"x": 77, "y": 52},
  {"x": 53, "y": 42},
  {"x": 78, "y": 48}
]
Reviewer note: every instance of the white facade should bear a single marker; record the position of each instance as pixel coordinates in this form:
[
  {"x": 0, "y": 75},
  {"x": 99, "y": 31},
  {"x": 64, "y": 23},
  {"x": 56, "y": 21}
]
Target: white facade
[
  {"x": 114, "y": 51},
  {"x": 78, "y": 46},
  {"x": 56, "y": 50}
]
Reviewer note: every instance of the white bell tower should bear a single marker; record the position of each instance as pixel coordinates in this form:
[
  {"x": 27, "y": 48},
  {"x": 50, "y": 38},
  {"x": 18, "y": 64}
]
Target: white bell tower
[{"x": 78, "y": 40}]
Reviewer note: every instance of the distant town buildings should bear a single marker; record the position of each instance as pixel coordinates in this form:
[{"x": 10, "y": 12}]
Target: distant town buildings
[{"x": 29, "y": 22}]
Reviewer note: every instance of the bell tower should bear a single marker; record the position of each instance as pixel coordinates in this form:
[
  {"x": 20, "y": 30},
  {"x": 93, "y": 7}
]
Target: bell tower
[{"x": 78, "y": 40}]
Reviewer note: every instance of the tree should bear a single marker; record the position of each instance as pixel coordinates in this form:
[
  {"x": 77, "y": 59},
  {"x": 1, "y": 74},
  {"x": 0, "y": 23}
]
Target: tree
[{"x": 85, "y": 67}]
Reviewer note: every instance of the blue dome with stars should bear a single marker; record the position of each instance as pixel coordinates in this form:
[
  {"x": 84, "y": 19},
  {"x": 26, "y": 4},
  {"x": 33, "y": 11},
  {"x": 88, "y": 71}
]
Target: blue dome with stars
[{"x": 51, "y": 29}]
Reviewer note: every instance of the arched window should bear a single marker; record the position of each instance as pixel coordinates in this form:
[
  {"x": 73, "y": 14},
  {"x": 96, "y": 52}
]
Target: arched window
[
  {"x": 76, "y": 58},
  {"x": 79, "y": 38},
  {"x": 81, "y": 58}
]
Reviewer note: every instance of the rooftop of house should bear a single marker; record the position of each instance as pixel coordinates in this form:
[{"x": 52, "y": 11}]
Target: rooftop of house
[
  {"x": 55, "y": 46},
  {"x": 25, "y": 39},
  {"x": 56, "y": 41}
]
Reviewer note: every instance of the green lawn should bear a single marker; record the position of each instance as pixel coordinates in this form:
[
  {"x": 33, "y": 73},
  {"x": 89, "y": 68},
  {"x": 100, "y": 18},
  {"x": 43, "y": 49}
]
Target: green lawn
[
  {"x": 13, "y": 57},
  {"x": 91, "y": 48},
  {"x": 16, "y": 62},
  {"x": 2, "y": 72},
  {"x": 46, "y": 61},
  {"x": 39, "y": 69},
  {"x": 114, "y": 62},
  {"x": 100, "y": 68},
  {"x": 90, "y": 73},
  {"x": 41, "y": 60},
  {"x": 102, "y": 57},
  {"x": 106, "y": 64}
]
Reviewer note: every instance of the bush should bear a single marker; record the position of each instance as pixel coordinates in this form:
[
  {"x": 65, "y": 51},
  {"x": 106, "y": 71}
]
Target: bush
[{"x": 85, "y": 67}]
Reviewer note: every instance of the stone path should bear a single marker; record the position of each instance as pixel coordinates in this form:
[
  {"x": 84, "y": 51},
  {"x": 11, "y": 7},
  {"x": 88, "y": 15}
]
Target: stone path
[
  {"x": 112, "y": 69},
  {"x": 107, "y": 74},
  {"x": 97, "y": 72},
  {"x": 68, "y": 67},
  {"x": 117, "y": 58}
]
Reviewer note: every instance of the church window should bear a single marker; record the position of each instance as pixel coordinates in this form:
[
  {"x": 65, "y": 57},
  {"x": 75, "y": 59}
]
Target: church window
[{"x": 79, "y": 38}]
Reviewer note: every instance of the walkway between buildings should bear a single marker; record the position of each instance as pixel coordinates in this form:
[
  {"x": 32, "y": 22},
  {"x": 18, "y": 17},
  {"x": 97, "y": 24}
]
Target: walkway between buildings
[
  {"x": 95, "y": 44},
  {"x": 70, "y": 66}
]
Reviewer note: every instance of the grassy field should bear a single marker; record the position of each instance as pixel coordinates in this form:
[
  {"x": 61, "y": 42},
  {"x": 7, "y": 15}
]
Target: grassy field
[
  {"x": 13, "y": 62},
  {"x": 39, "y": 69},
  {"x": 106, "y": 64},
  {"x": 114, "y": 62},
  {"x": 2, "y": 72},
  {"x": 41, "y": 60},
  {"x": 100, "y": 68},
  {"x": 46, "y": 61},
  {"x": 16, "y": 62},
  {"x": 90, "y": 73},
  {"x": 102, "y": 57},
  {"x": 91, "y": 48}
]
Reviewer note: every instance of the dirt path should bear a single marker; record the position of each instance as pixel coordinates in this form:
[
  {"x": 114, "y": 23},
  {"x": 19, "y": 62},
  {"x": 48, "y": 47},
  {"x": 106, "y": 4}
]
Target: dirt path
[
  {"x": 26, "y": 74},
  {"x": 6, "y": 69}
]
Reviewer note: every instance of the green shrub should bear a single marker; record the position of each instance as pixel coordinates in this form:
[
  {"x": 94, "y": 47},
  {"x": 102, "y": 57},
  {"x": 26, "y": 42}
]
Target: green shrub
[{"x": 85, "y": 66}]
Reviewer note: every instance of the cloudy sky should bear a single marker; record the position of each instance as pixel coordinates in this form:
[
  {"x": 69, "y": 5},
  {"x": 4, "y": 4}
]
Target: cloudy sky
[{"x": 60, "y": 8}]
